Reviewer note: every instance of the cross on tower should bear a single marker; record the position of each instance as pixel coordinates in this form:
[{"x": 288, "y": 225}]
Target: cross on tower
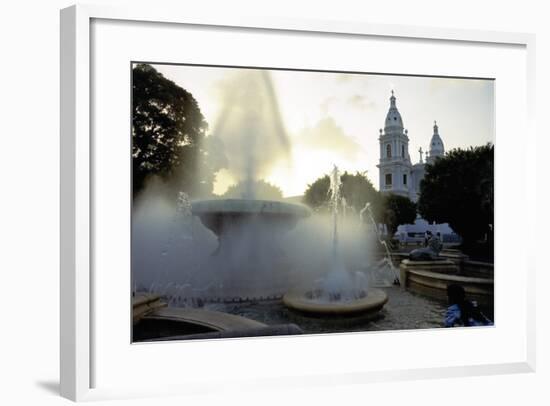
[{"x": 421, "y": 154}]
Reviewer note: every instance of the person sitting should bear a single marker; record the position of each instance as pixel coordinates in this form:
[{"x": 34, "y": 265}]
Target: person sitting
[{"x": 462, "y": 312}]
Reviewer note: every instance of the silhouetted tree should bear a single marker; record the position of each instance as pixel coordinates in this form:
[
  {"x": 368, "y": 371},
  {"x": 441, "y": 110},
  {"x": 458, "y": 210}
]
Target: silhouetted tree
[
  {"x": 356, "y": 189},
  {"x": 397, "y": 210},
  {"x": 316, "y": 194},
  {"x": 458, "y": 189},
  {"x": 260, "y": 190},
  {"x": 168, "y": 129}
]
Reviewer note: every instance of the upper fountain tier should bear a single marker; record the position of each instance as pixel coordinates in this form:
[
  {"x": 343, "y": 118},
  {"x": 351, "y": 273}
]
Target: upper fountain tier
[{"x": 214, "y": 214}]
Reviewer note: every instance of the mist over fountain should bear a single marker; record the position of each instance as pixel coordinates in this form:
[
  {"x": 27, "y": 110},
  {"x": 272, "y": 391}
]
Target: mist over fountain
[
  {"x": 249, "y": 255},
  {"x": 232, "y": 249}
]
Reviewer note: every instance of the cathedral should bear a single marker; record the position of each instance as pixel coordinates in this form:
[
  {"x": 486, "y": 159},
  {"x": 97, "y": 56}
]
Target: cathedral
[{"x": 397, "y": 174}]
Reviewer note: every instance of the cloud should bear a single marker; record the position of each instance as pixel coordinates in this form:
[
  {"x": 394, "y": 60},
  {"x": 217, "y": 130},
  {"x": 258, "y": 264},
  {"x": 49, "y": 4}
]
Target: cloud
[
  {"x": 327, "y": 135},
  {"x": 361, "y": 102}
]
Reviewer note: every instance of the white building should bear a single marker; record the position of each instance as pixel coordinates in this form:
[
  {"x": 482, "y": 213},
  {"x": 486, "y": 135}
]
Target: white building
[
  {"x": 397, "y": 173},
  {"x": 400, "y": 176},
  {"x": 416, "y": 232}
]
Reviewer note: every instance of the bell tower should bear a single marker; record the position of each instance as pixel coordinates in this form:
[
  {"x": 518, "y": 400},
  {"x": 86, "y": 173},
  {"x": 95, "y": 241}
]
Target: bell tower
[
  {"x": 437, "y": 149},
  {"x": 395, "y": 163}
]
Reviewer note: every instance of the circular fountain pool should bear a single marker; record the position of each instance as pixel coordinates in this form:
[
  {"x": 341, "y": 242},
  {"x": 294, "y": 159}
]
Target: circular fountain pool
[{"x": 367, "y": 303}]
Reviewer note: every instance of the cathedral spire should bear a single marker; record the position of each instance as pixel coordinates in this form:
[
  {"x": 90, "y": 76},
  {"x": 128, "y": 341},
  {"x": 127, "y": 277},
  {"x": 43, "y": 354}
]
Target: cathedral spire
[
  {"x": 394, "y": 123},
  {"x": 437, "y": 149}
]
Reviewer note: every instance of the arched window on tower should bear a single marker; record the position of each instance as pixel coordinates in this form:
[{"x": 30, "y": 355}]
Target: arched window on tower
[
  {"x": 403, "y": 151},
  {"x": 388, "y": 151}
]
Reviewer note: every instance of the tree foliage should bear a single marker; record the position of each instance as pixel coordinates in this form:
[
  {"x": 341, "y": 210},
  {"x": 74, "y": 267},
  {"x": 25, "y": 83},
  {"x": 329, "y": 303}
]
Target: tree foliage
[
  {"x": 168, "y": 130},
  {"x": 260, "y": 188},
  {"x": 356, "y": 189},
  {"x": 316, "y": 195},
  {"x": 458, "y": 189},
  {"x": 397, "y": 210}
]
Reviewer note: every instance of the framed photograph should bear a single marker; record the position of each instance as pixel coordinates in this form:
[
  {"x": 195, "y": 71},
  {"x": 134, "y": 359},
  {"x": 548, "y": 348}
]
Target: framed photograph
[{"x": 280, "y": 202}]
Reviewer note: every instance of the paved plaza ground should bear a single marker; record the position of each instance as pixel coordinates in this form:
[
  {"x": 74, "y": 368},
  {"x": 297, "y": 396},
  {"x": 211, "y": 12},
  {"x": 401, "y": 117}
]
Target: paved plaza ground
[{"x": 403, "y": 311}]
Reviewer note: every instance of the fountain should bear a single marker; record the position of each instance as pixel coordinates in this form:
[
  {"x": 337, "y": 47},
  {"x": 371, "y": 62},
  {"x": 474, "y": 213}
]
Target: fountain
[
  {"x": 238, "y": 256},
  {"x": 340, "y": 292}
]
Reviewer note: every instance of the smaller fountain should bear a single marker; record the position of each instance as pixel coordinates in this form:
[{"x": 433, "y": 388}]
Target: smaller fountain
[{"x": 340, "y": 292}]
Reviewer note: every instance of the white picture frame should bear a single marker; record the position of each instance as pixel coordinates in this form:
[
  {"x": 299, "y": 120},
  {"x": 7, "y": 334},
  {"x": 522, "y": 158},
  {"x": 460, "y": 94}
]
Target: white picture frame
[{"x": 77, "y": 173}]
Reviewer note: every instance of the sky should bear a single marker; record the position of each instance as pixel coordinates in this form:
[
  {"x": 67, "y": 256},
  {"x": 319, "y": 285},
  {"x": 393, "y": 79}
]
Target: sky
[{"x": 297, "y": 124}]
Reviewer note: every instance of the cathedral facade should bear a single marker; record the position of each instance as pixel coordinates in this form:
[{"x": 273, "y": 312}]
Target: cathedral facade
[{"x": 397, "y": 173}]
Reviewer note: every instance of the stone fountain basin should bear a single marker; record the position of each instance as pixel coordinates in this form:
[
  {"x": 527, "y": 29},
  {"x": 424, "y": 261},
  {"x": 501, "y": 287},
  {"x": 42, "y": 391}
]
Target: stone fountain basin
[
  {"x": 248, "y": 206},
  {"x": 221, "y": 214},
  {"x": 154, "y": 321},
  {"x": 369, "y": 305},
  {"x": 431, "y": 278}
]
